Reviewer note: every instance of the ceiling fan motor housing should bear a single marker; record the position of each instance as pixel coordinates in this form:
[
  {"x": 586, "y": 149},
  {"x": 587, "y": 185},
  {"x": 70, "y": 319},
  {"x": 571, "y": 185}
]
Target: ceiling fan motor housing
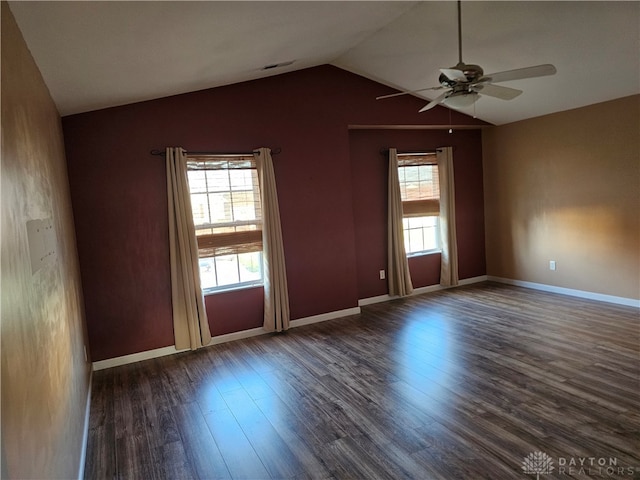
[
  {"x": 473, "y": 72},
  {"x": 468, "y": 74}
]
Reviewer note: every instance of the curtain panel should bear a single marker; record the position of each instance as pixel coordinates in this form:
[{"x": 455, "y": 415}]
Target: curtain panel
[
  {"x": 448, "y": 237},
  {"x": 276, "y": 293},
  {"x": 190, "y": 323},
  {"x": 398, "y": 267}
]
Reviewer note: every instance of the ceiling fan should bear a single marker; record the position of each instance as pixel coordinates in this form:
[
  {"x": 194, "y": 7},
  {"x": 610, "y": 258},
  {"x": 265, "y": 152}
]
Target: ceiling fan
[{"x": 465, "y": 83}]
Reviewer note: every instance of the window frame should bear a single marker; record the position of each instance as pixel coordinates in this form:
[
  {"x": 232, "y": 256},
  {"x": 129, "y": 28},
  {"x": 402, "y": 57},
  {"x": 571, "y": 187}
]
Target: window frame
[
  {"x": 430, "y": 251},
  {"x": 233, "y": 286},
  {"x": 220, "y": 245},
  {"x": 428, "y": 204}
]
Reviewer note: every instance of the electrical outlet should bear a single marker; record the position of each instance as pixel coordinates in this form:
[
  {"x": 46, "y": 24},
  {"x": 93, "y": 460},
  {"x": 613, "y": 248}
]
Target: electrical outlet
[
  {"x": 552, "y": 264},
  {"x": 382, "y": 275}
]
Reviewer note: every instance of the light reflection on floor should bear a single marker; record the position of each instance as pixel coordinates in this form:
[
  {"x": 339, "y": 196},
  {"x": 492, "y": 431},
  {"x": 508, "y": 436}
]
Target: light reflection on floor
[{"x": 424, "y": 359}]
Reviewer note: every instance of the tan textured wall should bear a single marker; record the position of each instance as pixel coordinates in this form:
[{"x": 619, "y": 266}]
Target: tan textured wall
[
  {"x": 566, "y": 187},
  {"x": 45, "y": 379}
]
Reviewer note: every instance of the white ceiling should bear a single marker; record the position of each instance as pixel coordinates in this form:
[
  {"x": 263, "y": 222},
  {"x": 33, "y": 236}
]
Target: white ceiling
[{"x": 98, "y": 54}]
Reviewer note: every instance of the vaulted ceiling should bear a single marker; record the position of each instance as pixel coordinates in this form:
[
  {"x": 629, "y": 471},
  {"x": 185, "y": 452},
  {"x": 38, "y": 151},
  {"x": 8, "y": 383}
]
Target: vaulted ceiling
[{"x": 95, "y": 54}]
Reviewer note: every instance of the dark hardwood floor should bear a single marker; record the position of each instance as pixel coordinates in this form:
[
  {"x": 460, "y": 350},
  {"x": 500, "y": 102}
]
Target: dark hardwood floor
[{"x": 459, "y": 384}]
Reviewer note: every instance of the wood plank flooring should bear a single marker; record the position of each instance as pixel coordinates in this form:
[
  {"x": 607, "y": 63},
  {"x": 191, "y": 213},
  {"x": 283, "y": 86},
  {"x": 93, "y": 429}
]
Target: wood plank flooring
[{"x": 458, "y": 384}]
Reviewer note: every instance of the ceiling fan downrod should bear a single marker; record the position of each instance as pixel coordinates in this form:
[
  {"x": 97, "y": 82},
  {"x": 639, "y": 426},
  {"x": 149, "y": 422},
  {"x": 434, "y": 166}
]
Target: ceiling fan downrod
[{"x": 459, "y": 32}]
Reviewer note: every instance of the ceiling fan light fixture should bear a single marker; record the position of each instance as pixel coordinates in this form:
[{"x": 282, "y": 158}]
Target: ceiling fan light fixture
[{"x": 461, "y": 100}]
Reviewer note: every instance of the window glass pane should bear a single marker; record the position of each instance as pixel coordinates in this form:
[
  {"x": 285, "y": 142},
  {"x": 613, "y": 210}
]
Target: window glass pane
[
  {"x": 243, "y": 205},
  {"x": 240, "y": 179},
  {"x": 416, "y": 243},
  {"x": 220, "y": 207},
  {"x": 250, "y": 266},
  {"x": 418, "y": 182},
  {"x": 428, "y": 188},
  {"x": 200, "y": 208},
  {"x": 419, "y": 222},
  {"x": 227, "y": 269},
  {"x": 197, "y": 181},
  {"x": 412, "y": 183},
  {"x": 217, "y": 180},
  {"x": 430, "y": 236},
  {"x": 412, "y": 174},
  {"x": 421, "y": 234},
  {"x": 401, "y": 176},
  {"x": 208, "y": 273}
]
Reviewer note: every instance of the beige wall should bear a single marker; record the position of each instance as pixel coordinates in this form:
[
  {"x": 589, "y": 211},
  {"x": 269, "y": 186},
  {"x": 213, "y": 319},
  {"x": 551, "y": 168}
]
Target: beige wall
[
  {"x": 45, "y": 378},
  {"x": 566, "y": 187}
]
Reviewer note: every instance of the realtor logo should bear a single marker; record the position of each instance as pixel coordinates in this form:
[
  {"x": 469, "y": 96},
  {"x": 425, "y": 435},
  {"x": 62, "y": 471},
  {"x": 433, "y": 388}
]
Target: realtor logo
[{"x": 537, "y": 463}]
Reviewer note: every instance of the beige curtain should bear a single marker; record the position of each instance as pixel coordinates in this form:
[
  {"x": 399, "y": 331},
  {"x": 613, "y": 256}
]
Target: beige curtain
[
  {"x": 276, "y": 293},
  {"x": 449, "y": 265},
  {"x": 398, "y": 276},
  {"x": 190, "y": 324}
]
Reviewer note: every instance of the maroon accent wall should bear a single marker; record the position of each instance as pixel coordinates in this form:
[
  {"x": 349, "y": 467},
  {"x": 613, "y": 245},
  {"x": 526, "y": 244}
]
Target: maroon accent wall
[
  {"x": 119, "y": 196},
  {"x": 235, "y": 310}
]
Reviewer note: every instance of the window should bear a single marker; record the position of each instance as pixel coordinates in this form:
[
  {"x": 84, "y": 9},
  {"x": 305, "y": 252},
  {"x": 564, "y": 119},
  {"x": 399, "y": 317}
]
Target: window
[
  {"x": 420, "y": 193},
  {"x": 225, "y": 199}
]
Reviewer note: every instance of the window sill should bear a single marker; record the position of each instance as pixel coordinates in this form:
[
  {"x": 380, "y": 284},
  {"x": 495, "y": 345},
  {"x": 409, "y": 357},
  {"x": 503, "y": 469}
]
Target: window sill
[
  {"x": 426, "y": 252},
  {"x": 230, "y": 288}
]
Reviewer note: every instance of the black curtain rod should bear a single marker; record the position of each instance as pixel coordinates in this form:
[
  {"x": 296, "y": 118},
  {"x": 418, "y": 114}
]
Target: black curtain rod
[
  {"x": 385, "y": 151},
  {"x": 162, "y": 153}
]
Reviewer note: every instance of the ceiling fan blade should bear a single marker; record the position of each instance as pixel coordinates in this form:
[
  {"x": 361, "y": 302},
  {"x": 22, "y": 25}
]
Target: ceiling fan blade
[
  {"x": 434, "y": 102},
  {"x": 453, "y": 74},
  {"x": 408, "y": 92},
  {"x": 520, "y": 73},
  {"x": 497, "y": 91}
]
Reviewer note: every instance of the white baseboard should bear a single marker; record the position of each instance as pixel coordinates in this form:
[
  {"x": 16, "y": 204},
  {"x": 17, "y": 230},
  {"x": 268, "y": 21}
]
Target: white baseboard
[
  {"x": 85, "y": 432},
  {"x": 136, "y": 357},
  {"x": 420, "y": 290},
  {"x": 371, "y": 300},
  {"x": 600, "y": 297},
  {"x": 231, "y": 337},
  {"x": 228, "y": 337},
  {"x": 324, "y": 317}
]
